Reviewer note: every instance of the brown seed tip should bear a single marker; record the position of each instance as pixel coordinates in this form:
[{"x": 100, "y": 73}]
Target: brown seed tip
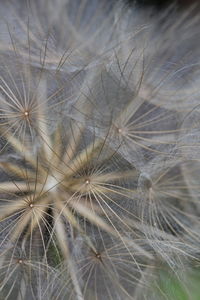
[
  {"x": 120, "y": 130},
  {"x": 26, "y": 113},
  {"x": 98, "y": 255}
]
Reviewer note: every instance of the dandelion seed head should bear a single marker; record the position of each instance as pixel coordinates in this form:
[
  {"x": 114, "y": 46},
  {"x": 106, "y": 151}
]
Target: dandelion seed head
[{"x": 107, "y": 195}]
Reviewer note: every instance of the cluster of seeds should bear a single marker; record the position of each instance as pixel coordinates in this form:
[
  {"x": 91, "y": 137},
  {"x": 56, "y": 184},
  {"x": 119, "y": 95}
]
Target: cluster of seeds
[{"x": 99, "y": 149}]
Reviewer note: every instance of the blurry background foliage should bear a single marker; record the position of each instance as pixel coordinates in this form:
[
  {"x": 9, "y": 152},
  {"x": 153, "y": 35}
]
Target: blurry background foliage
[{"x": 169, "y": 287}]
